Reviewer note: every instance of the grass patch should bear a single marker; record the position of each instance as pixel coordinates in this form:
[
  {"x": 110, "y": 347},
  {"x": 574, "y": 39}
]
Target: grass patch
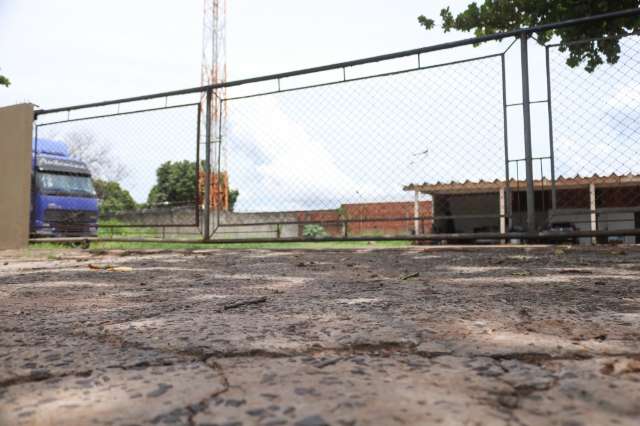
[
  {"x": 155, "y": 233},
  {"x": 324, "y": 245},
  {"x": 105, "y": 231}
]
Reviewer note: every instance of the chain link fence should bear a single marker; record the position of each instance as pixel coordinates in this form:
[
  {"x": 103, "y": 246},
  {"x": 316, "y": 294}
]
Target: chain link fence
[
  {"x": 596, "y": 141},
  {"x": 335, "y": 158},
  {"x": 400, "y": 146},
  {"x": 136, "y": 171}
]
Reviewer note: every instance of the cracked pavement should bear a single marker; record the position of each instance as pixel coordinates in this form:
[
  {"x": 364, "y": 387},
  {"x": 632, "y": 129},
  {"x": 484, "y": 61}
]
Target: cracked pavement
[{"x": 481, "y": 336}]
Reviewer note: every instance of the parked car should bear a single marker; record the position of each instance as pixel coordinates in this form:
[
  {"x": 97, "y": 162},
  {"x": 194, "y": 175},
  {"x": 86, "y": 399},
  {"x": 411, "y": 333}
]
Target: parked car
[{"x": 557, "y": 230}]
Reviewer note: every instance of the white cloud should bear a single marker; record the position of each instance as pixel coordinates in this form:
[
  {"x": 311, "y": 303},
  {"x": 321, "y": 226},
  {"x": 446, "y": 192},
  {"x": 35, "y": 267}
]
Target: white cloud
[
  {"x": 626, "y": 97},
  {"x": 271, "y": 152}
]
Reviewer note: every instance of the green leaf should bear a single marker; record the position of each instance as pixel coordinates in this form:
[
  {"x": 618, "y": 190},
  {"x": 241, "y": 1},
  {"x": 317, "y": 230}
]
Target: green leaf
[
  {"x": 113, "y": 198},
  {"x": 495, "y": 16},
  {"x": 426, "y": 22}
]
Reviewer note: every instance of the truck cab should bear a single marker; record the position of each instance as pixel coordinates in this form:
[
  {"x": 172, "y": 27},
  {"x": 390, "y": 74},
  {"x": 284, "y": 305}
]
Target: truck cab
[{"x": 63, "y": 199}]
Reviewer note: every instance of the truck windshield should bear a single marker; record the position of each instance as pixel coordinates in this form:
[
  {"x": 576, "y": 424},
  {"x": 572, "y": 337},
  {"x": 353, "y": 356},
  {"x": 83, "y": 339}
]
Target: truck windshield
[{"x": 63, "y": 184}]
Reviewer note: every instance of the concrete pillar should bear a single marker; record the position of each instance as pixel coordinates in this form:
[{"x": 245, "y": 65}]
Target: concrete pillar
[
  {"x": 592, "y": 208},
  {"x": 16, "y": 124},
  {"x": 503, "y": 215},
  {"x": 416, "y": 213}
]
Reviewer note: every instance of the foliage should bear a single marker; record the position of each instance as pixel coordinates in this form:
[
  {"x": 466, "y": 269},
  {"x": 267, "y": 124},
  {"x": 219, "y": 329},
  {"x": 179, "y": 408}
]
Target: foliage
[
  {"x": 313, "y": 231},
  {"x": 494, "y": 16},
  {"x": 175, "y": 183},
  {"x": 113, "y": 197},
  {"x": 342, "y": 212},
  {"x": 233, "y": 197},
  {"x": 4, "y": 81}
]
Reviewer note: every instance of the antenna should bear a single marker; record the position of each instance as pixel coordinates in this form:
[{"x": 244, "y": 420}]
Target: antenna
[{"x": 214, "y": 71}]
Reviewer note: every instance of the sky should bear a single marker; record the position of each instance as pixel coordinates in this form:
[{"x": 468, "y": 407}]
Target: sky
[
  {"x": 314, "y": 148},
  {"x": 75, "y": 51}
]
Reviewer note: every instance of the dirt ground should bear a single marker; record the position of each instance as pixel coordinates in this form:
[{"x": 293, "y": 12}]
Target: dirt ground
[{"x": 426, "y": 335}]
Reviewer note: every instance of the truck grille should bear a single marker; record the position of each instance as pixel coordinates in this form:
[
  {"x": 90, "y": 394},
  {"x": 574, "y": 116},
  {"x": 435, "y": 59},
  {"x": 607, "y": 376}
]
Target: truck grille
[
  {"x": 70, "y": 217},
  {"x": 71, "y": 223}
]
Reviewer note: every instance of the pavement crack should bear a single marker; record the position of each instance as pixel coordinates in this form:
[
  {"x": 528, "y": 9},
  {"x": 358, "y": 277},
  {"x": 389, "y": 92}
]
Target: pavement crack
[
  {"x": 146, "y": 364},
  {"x": 39, "y": 376},
  {"x": 538, "y": 358},
  {"x": 195, "y": 409}
]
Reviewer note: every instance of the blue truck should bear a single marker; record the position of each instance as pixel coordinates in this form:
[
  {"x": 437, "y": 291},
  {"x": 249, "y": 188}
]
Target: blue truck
[{"x": 63, "y": 199}]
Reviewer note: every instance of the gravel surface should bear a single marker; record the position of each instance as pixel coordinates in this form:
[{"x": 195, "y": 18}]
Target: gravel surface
[{"x": 426, "y": 335}]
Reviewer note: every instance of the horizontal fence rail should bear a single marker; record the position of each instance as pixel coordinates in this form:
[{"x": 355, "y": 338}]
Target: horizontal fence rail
[{"x": 403, "y": 146}]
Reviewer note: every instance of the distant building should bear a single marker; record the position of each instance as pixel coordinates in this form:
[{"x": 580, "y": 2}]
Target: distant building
[{"x": 588, "y": 203}]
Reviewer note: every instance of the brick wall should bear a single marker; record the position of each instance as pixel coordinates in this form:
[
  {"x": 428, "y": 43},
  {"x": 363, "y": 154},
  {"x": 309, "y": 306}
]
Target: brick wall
[
  {"x": 618, "y": 197},
  {"x": 334, "y": 230},
  {"x": 579, "y": 198},
  {"x": 371, "y": 211},
  {"x": 386, "y": 211}
]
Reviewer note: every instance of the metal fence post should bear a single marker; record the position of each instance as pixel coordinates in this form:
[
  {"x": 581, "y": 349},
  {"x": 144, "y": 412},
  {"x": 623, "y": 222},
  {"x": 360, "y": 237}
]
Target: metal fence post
[
  {"x": 416, "y": 213},
  {"x": 554, "y": 203},
  {"x": 507, "y": 196},
  {"x": 198, "y": 135},
  {"x": 207, "y": 168},
  {"x": 526, "y": 110}
]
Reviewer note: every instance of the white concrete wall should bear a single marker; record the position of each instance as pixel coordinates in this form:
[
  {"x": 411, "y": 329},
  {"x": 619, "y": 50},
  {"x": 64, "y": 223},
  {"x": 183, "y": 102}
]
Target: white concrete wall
[
  {"x": 228, "y": 231},
  {"x": 610, "y": 220},
  {"x": 581, "y": 218},
  {"x": 186, "y": 215}
]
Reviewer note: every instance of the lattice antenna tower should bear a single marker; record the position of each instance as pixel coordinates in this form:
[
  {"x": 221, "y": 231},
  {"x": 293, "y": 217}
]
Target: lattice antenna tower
[{"x": 214, "y": 71}]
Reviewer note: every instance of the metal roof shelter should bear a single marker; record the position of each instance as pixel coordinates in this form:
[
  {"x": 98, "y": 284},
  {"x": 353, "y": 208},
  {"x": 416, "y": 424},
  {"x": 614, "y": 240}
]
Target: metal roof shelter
[
  {"x": 470, "y": 187},
  {"x": 472, "y": 205}
]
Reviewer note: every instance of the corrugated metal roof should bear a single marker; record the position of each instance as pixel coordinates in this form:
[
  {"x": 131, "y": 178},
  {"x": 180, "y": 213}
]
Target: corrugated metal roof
[{"x": 562, "y": 182}]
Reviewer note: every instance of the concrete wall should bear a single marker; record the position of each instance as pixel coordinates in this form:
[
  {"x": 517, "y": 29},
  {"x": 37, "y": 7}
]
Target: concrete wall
[
  {"x": 15, "y": 175},
  {"x": 611, "y": 220},
  {"x": 227, "y": 230},
  {"x": 270, "y": 225},
  {"x": 580, "y": 218},
  {"x": 257, "y": 230}
]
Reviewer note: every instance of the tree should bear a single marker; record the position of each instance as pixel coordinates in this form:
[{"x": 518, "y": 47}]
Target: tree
[
  {"x": 494, "y": 16},
  {"x": 113, "y": 197},
  {"x": 96, "y": 155},
  {"x": 4, "y": 81},
  {"x": 233, "y": 197},
  {"x": 175, "y": 183},
  {"x": 106, "y": 170}
]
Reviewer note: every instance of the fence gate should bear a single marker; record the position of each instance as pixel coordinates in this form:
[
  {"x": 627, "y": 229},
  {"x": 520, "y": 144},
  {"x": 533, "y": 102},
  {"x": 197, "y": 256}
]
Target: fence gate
[{"x": 437, "y": 143}]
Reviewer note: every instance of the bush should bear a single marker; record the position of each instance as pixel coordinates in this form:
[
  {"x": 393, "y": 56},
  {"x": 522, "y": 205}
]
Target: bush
[
  {"x": 314, "y": 231},
  {"x": 113, "y": 198}
]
